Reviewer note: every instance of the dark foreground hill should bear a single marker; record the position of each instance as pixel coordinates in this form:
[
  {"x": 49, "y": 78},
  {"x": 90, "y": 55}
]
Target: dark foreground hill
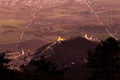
[{"x": 69, "y": 53}]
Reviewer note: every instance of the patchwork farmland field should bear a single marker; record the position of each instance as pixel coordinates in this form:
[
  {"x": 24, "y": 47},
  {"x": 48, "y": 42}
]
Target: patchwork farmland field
[{"x": 68, "y": 20}]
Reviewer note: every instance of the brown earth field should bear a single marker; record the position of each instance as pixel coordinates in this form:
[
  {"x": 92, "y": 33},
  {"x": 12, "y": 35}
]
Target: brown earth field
[
  {"x": 26, "y": 45},
  {"x": 46, "y": 23}
]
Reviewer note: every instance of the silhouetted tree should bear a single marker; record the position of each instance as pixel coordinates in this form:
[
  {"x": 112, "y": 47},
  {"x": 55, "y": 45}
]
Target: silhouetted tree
[
  {"x": 3, "y": 61},
  {"x": 44, "y": 68},
  {"x": 104, "y": 61}
]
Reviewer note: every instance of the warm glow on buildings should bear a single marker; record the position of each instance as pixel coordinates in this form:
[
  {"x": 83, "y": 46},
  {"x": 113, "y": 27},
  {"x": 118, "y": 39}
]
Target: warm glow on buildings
[
  {"x": 88, "y": 37},
  {"x": 60, "y": 39}
]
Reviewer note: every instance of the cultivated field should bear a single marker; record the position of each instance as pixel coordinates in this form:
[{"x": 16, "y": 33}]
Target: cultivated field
[{"x": 67, "y": 20}]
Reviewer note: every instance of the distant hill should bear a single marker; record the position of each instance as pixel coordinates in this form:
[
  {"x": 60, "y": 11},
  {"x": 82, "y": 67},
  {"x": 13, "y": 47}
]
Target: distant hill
[{"x": 70, "y": 53}]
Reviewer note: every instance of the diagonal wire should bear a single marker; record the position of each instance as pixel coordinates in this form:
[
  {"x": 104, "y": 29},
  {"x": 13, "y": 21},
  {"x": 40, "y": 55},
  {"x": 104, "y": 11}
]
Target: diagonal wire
[
  {"x": 98, "y": 18},
  {"x": 27, "y": 26}
]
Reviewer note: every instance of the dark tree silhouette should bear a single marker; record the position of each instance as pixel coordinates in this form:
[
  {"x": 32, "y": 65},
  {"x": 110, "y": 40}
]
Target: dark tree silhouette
[
  {"x": 104, "y": 61},
  {"x": 3, "y": 61},
  {"x": 43, "y": 69}
]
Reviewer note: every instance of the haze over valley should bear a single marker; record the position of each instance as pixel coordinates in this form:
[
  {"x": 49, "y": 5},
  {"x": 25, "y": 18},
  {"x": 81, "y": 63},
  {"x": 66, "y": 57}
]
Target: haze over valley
[{"x": 48, "y": 19}]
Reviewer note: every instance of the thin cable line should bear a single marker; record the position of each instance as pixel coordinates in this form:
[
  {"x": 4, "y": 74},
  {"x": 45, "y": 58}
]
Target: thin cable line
[
  {"x": 98, "y": 18},
  {"x": 27, "y": 26}
]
